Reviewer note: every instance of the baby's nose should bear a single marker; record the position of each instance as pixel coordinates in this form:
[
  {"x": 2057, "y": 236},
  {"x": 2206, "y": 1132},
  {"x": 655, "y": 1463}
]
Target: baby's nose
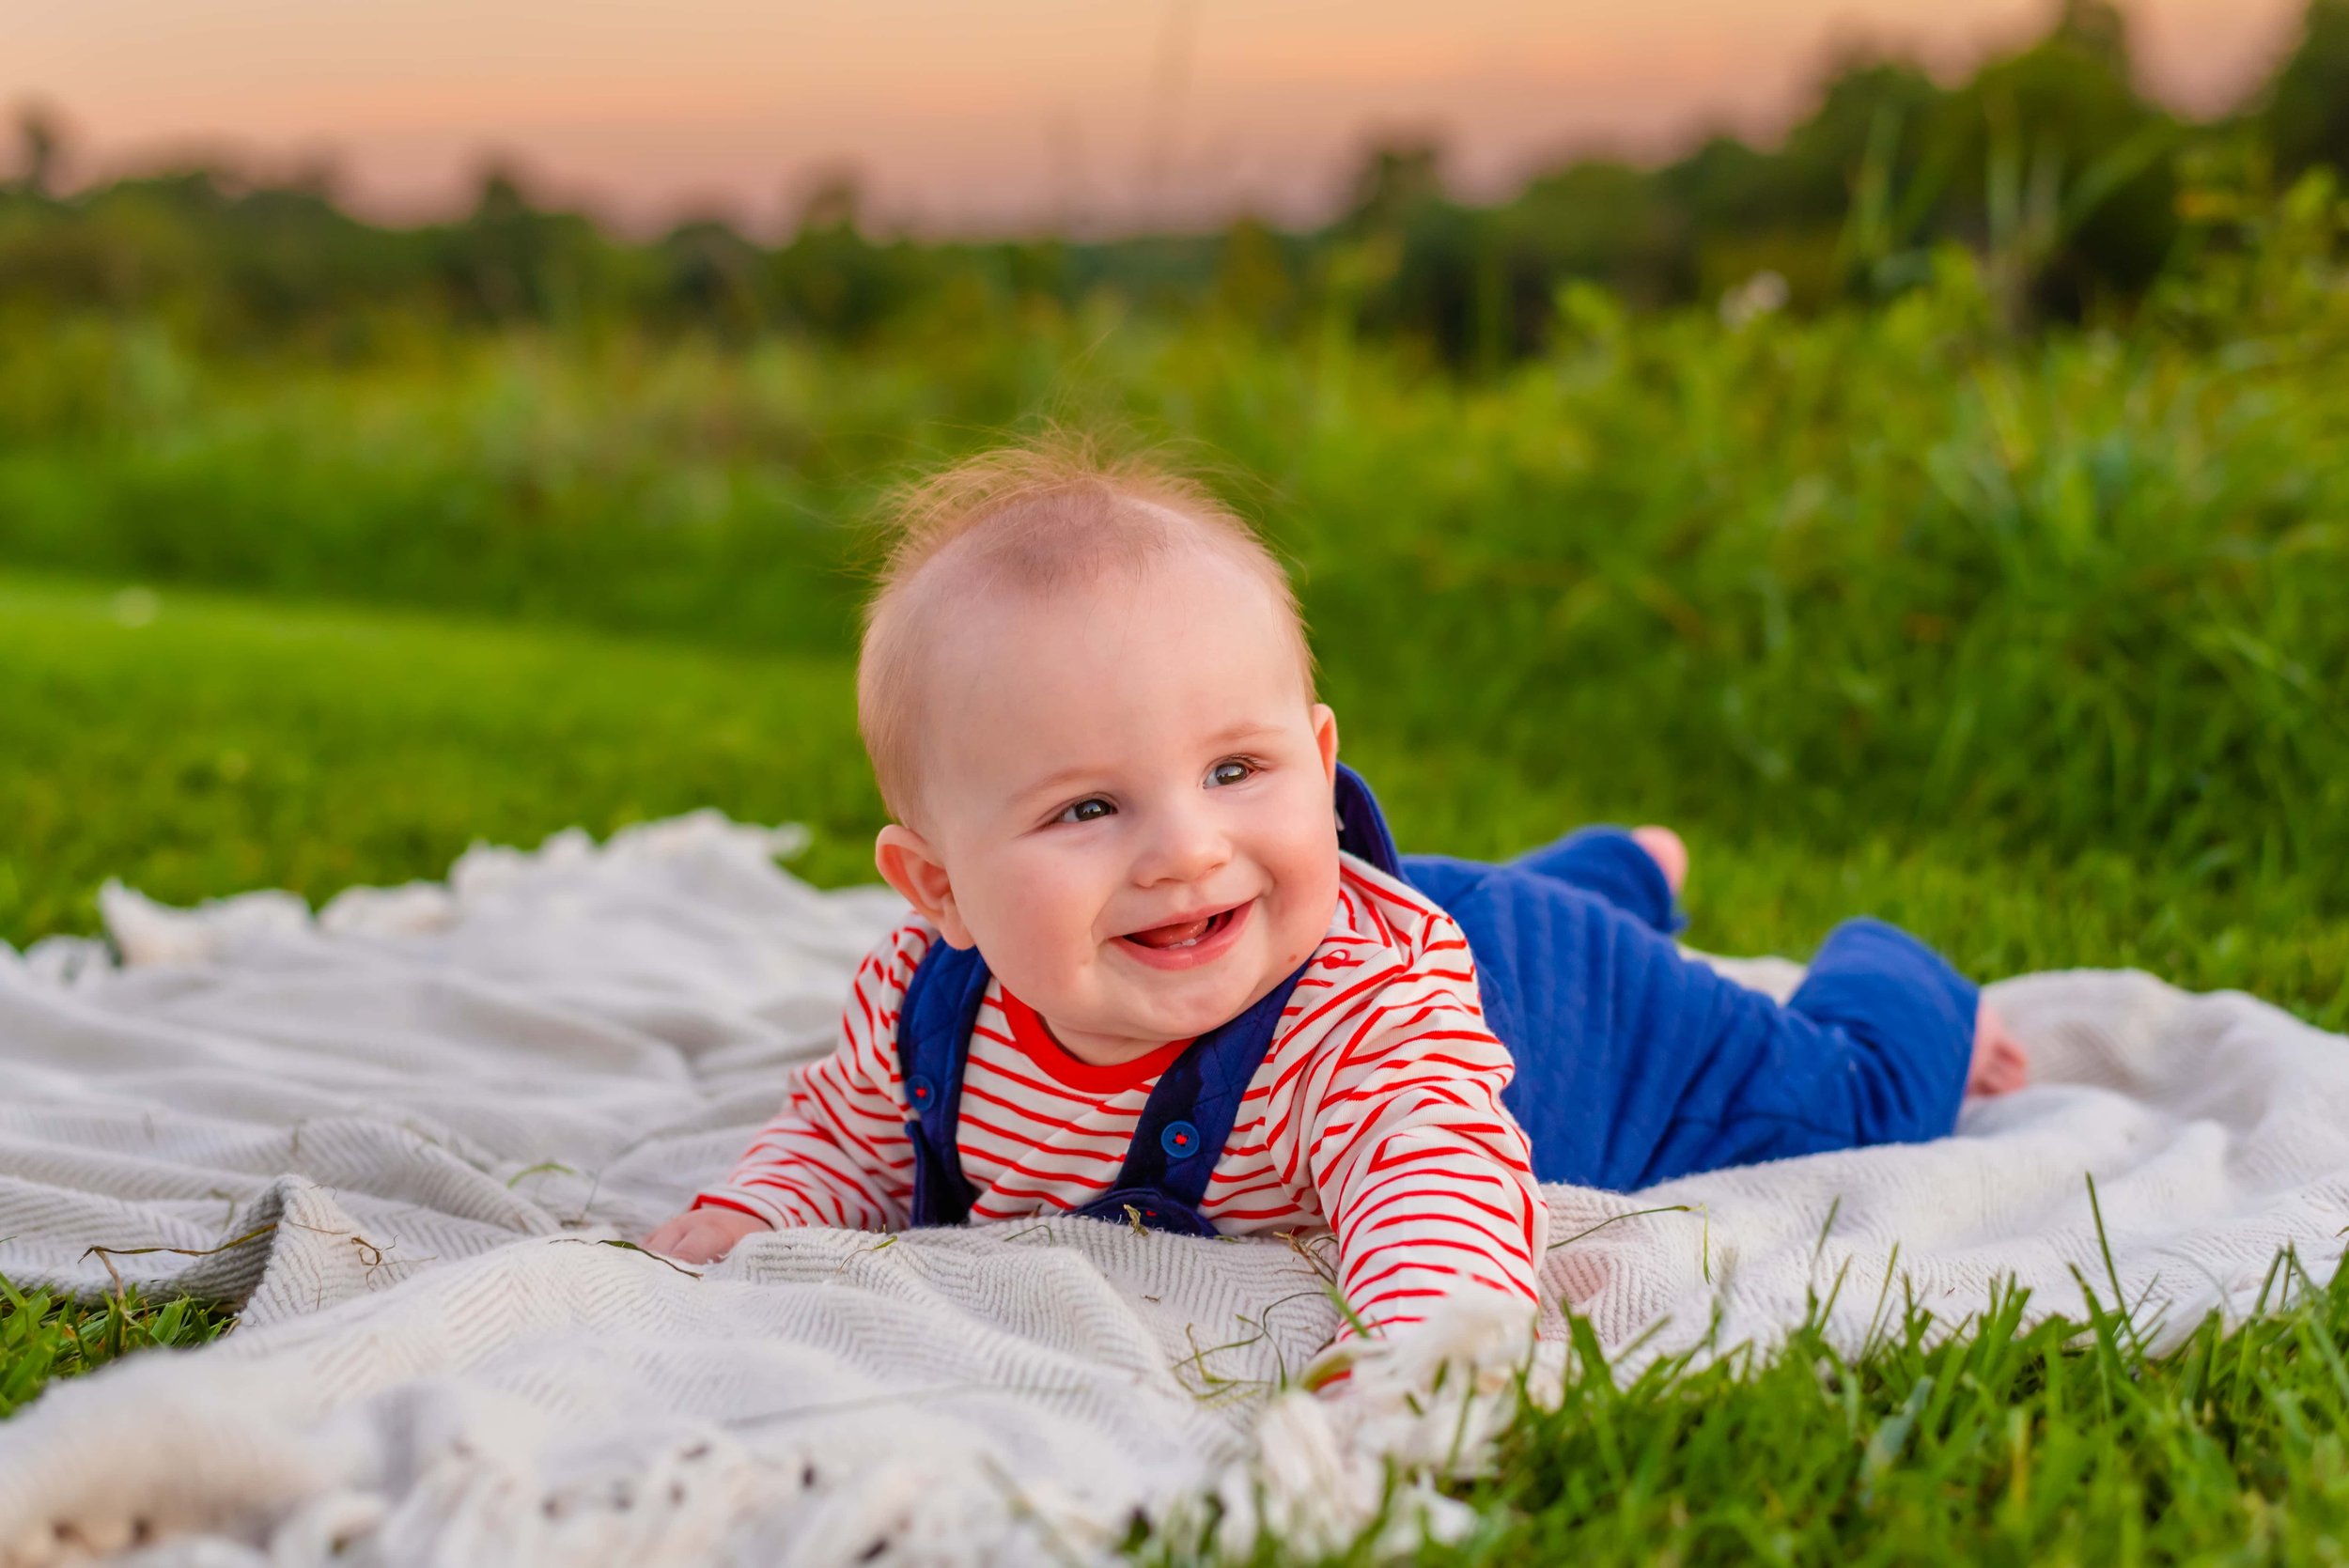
[{"x": 1185, "y": 847}]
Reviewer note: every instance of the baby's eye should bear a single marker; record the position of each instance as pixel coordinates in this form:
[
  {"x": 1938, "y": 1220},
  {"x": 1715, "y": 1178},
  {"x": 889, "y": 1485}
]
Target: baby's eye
[
  {"x": 1230, "y": 773},
  {"x": 1091, "y": 809}
]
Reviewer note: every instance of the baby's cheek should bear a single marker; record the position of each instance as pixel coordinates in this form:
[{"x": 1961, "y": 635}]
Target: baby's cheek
[
  {"x": 1038, "y": 928},
  {"x": 1306, "y": 899}
]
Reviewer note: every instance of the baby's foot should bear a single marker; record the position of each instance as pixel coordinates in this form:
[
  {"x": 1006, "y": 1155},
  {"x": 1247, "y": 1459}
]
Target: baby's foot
[
  {"x": 1664, "y": 847},
  {"x": 2001, "y": 1064}
]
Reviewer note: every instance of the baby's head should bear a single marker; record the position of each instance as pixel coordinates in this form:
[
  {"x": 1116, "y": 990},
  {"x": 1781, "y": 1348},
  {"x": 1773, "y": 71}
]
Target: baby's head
[{"x": 1089, "y": 703}]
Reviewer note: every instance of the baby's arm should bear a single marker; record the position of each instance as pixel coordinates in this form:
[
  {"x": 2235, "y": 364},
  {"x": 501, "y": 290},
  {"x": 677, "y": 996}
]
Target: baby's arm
[
  {"x": 1425, "y": 1180},
  {"x": 837, "y": 1153}
]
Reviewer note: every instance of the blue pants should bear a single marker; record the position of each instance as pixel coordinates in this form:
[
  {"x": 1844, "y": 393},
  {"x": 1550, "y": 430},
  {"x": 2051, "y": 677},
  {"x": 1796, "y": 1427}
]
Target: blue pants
[{"x": 1636, "y": 1064}]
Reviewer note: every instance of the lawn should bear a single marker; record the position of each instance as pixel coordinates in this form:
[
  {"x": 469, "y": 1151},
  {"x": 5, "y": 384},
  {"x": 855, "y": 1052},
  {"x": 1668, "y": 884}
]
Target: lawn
[
  {"x": 195, "y": 743},
  {"x": 2035, "y": 646}
]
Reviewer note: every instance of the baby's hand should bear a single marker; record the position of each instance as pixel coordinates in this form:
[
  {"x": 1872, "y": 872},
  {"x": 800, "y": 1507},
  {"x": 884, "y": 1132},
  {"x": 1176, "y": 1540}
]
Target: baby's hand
[
  {"x": 704, "y": 1235},
  {"x": 2000, "y": 1063}
]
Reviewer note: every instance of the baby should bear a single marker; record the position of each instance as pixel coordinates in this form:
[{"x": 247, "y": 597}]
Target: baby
[{"x": 1165, "y": 966}]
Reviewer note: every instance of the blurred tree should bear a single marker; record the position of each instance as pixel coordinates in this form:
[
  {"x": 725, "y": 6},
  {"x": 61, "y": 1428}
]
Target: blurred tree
[
  {"x": 835, "y": 200},
  {"x": 2306, "y": 115},
  {"x": 830, "y": 279},
  {"x": 40, "y": 140},
  {"x": 1599, "y": 220},
  {"x": 2062, "y": 175},
  {"x": 1254, "y": 281},
  {"x": 1415, "y": 269},
  {"x": 510, "y": 260},
  {"x": 1395, "y": 181},
  {"x": 1863, "y": 102},
  {"x": 2098, "y": 29},
  {"x": 712, "y": 274},
  {"x": 2047, "y": 164}
]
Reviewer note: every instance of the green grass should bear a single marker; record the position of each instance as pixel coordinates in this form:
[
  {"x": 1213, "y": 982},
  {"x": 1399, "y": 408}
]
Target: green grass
[
  {"x": 229, "y": 745},
  {"x": 195, "y": 745},
  {"x": 2059, "y": 1442},
  {"x": 1881, "y": 574},
  {"x": 44, "y": 1336},
  {"x": 233, "y": 743},
  {"x": 2038, "y": 648}
]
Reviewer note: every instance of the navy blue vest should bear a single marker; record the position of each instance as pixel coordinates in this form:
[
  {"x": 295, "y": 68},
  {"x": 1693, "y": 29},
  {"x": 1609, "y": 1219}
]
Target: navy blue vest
[{"x": 1188, "y": 1116}]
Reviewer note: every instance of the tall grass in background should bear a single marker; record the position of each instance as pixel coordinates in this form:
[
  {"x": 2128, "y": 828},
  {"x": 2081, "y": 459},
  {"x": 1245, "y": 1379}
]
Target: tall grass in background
[
  {"x": 2039, "y": 645},
  {"x": 1882, "y": 570}
]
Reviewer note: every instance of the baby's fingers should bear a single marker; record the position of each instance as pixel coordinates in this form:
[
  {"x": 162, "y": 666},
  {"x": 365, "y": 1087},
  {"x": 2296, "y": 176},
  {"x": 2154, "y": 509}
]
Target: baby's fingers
[
  {"x": 707, "y": 1241},
  {"x": 667, "y": 1234}
]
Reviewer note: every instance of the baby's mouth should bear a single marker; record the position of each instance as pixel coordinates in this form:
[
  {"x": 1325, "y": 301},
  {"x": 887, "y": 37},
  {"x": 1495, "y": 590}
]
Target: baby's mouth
[{"x": 1184, "y": 933}]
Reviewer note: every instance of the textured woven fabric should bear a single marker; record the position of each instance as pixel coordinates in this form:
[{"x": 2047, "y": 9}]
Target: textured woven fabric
[
  {"x": 401, "y": 1131},
  {"x": 1375, "y": 1113}
]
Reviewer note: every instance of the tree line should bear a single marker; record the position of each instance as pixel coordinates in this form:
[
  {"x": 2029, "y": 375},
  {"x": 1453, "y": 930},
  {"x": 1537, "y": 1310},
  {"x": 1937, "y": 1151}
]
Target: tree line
[{"x": 2073, "y": 188}]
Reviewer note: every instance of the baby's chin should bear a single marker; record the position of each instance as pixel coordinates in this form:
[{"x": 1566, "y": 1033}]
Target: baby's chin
[{"x": 1176, "y": 1007}]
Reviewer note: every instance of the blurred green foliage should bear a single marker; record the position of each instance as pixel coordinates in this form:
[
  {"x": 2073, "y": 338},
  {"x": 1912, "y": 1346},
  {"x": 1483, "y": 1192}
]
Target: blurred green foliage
[
  {"x": 2048, "y": 162},
  {"x": 1849, "y": 556},
  {"x": 194, "y": 745},
  {"x": 1891, "y": 567},
  {"x": 1944, "y": 515}
]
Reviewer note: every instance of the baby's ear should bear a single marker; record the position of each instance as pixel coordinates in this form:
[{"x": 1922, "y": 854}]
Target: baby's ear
[
  {"x": 1326, "y": 737},
  {"x": 907, "y": 863}
]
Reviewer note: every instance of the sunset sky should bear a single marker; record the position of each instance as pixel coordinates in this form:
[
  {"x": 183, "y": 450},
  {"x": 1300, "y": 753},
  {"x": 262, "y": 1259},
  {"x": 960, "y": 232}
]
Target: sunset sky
[{"x": 984, "y": 114}]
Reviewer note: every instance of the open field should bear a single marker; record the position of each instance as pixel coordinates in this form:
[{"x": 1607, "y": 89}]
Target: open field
[
  {"x": 1888, "y": 572},
  {"x": 2037, "y": 646},
  {"x": 227, "y": 743},
  {"x": 217, "y": 742}
]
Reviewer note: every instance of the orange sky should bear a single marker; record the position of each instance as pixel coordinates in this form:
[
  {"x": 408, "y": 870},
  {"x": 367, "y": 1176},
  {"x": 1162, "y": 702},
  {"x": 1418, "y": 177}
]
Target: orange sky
[{"x": 984, "y": 114}]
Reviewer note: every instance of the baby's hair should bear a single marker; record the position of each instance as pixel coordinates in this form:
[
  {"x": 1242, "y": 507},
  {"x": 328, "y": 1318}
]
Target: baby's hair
[{"x": 1038, "y": 517}]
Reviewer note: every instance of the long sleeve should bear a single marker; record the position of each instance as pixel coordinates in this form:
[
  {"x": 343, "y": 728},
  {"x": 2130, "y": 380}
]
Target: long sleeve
[
  {"x": 1425, "y": 1181},
  {"x": 837, "y": 1153}
]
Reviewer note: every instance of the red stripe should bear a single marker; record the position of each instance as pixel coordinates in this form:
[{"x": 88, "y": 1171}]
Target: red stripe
[
  {"x": 1026, "y": 1113},
  {"x": 1035, "y": 1194},
  {"x": 990, "y": 1066},
  {"x": 1026, "y": 1146},
  {"x": 1490, "y": 1246},
  {"x": 1287, "y": 1211},
  {"x": 836, "y": 1126},
  {"x": 1419, "y": 1165},
  {"x": 1355, "y": 1214}
]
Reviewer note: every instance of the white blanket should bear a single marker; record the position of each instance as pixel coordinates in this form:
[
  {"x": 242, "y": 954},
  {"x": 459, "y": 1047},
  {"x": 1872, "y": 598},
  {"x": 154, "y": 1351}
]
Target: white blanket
[{"x": 401, "y": 1133}]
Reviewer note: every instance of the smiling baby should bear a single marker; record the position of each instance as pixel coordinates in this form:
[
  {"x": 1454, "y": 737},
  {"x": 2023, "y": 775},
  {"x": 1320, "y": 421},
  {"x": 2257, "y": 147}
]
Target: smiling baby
[{"x": 1163, "y": 965}]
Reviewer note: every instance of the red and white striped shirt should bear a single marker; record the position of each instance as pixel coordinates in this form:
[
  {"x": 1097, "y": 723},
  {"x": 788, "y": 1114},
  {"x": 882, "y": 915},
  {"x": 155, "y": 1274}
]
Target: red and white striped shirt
[{"x": 1376, "y": 1114}]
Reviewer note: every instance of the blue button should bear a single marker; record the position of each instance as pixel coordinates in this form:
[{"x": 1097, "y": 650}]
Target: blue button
[
  {"x": 1181, "y": 1140},
  {"x": 919, "y": 1090}
]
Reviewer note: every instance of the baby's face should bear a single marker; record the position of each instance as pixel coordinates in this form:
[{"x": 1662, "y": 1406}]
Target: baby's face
[{"x": 1129, "y": 791}]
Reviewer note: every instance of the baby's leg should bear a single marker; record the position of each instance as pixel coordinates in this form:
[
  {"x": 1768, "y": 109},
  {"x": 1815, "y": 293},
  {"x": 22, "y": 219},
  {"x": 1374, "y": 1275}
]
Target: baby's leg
[
  {"x": 2001, "y": 1064},
  {"x": 1638, "y": 872},
  {"x": 1666, "y": 848},
  {"x": 1636, "y": 1063}
]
